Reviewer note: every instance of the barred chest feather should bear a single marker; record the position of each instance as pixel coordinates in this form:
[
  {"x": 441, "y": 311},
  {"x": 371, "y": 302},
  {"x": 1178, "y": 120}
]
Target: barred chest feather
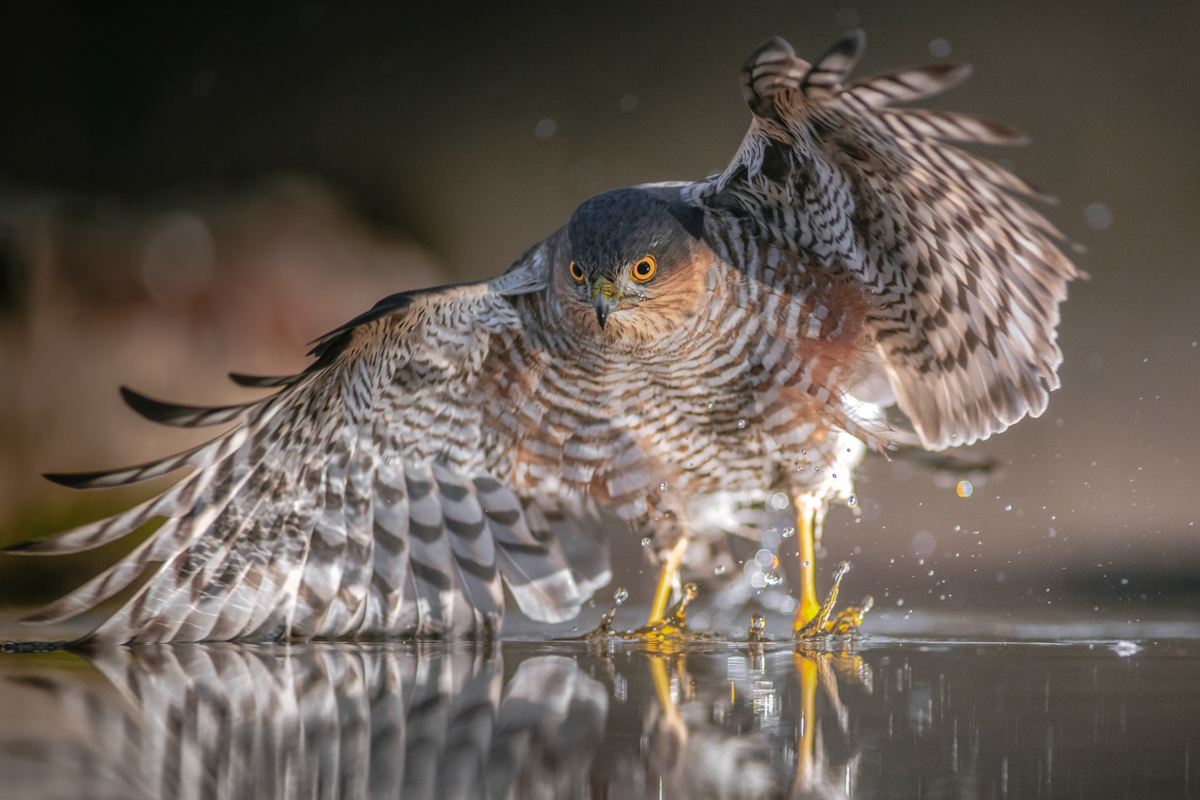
[{"x": 745, "y": 394}]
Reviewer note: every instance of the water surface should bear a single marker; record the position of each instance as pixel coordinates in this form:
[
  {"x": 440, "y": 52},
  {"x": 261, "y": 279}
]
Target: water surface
[{"x": 883, "y": 717}]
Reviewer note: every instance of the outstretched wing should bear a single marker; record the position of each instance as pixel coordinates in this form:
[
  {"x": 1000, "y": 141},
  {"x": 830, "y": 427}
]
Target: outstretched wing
[
  {"x": 965, "y": 279},
  {"x": 359, "y": 499}
]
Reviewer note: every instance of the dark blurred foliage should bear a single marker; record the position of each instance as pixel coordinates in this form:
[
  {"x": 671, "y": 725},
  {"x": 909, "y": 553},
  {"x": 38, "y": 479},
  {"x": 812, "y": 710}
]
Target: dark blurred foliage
[{"x": 472, "y": 131}]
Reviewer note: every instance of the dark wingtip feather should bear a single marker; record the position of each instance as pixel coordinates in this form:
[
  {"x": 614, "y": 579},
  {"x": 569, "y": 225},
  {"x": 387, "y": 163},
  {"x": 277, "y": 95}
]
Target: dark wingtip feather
[
  {"x": 75, "y": 480},
  {"x": 852, "y": 42},
  {"x": 177, "y": 415},
  {"x": 151, "y": 409},
  {"x": 34, "y": 547},
  {"x": 262, "y": 381}
]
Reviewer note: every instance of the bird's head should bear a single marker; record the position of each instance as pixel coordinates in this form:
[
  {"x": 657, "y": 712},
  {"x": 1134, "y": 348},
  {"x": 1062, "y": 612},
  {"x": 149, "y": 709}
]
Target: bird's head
[{"x": 635, "y": 266}]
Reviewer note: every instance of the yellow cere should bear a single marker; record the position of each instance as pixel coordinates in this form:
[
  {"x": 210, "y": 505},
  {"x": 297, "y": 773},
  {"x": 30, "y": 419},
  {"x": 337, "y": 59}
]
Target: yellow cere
[{"x": 964, "y": 489}]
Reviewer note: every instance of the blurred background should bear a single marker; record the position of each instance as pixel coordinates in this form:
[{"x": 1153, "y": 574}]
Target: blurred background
[{"x": 188, "y": 189}]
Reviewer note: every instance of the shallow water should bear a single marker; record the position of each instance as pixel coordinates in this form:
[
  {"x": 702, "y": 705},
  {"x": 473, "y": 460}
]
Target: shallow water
[{"x": 883, "y": 717}]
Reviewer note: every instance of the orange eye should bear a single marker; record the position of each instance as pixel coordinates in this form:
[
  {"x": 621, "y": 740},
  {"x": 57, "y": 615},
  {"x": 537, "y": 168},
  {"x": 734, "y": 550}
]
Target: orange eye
[
  {"x": 576, "y": 272},
  {"x": 644, "y": 269}
]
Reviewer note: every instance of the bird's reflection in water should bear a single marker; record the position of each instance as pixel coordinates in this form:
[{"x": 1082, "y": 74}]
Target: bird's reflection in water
[
  {"x": 761, "y": 733},
  {"x": 442, "y": 721}
]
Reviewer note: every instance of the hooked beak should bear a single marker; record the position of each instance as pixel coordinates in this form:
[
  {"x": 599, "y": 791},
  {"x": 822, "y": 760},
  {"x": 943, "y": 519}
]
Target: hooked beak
[{"x": 603, "y": 300}]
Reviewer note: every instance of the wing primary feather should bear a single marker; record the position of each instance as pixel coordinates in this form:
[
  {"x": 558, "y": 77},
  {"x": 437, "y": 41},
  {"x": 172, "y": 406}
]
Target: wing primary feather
[
  {"x": 264, "y": 381},
  {"x": 828, "y": 73},
  {"x": 529, "y": 557},
  {"x": 198, "y": 503},
  {"x": 183, "y": 416},
  {"x": 473, "y": 547},
  {"x": 909, "y": 85}
]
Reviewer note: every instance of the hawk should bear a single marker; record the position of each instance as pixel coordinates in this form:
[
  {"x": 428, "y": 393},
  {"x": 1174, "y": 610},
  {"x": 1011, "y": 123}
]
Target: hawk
[{"x": 671, "y": 342}]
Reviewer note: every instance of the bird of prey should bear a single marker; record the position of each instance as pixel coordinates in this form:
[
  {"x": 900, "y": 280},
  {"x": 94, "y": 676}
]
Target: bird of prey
[{"x": 669, "y": 343}]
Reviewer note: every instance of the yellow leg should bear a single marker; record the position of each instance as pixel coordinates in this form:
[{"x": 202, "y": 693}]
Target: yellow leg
[
  {"x": 809, "y": 605},
  {"x": 666, "y": 580}
]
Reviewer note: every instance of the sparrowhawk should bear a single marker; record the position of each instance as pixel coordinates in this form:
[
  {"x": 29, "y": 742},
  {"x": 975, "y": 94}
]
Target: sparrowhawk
[{"x": 671, "y": 342}]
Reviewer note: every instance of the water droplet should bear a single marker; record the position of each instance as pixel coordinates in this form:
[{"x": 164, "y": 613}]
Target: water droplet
[
  {"x": 851, "y": 500},
  {"x": 719, "y": 569},
  {"x": 621, "y": 596},
  {"x": 662, "y": 487},
  {"x": 964, "y": 489},
  {"x": 804, "y": 563},
  {"x": 803, "y": 452},
  {"x": 710, "y": 405},
  {"x": 774, "y": 579},
  {"x": 1008, "y": 508},
  {"x": 939, "y": 48},
  {"x": 646, "y": 542},
  {"x": 1098, "y": 216},
  {"x": 1125, "y": 648},
  {"x": 741, "y": 423},
  {"x": 789, "y": 532}
]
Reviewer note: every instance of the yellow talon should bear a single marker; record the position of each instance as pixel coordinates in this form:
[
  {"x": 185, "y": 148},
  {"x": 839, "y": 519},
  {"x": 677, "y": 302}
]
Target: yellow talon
[
  {"x": 812, "y": 617},
  {"x": 666, "y": 580},
  {"x": 671, "y": 626}
]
